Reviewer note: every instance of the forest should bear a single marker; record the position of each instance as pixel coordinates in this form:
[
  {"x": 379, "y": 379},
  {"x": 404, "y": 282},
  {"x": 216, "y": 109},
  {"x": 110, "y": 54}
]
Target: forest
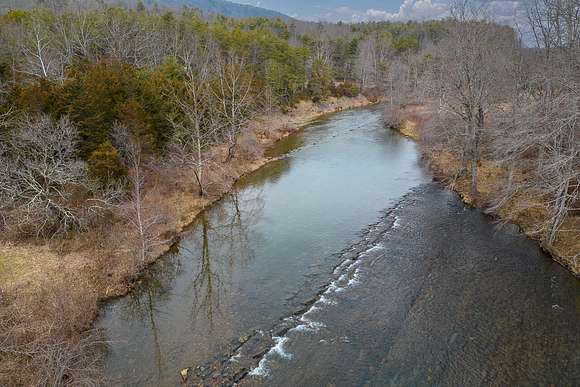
[
  {"x": 498, "y": 114},
  {"x": 169, "y": 81},
  {"x": 106, "y": 111},
  {"x": 111, "y": 116}
]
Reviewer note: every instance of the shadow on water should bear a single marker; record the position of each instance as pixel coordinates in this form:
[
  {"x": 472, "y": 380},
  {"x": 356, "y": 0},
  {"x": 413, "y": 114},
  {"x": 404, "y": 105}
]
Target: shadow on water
[
  {"x": 285, "y": 145},
  {"x": 269, "y": 173}
]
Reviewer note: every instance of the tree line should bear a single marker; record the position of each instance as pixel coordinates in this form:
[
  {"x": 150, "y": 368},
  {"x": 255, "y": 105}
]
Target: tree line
[
  {"x": 92, "y": 99},
  {"x": 510, "y": 98}
]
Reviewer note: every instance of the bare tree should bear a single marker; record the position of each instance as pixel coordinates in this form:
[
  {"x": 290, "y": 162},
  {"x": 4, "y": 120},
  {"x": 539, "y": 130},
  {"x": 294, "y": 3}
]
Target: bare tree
[
  {"x": 375, "y": 60},
  {"x": 555, "y": 24},
  {"x": 36, "y": 42},
  {"x": 125, "y": 38},
  {"x": 195, "y": 131},
  {"x": 542, "y": 137},
  {"x": 40, "y": 173},
  {"x": 143, "y": 219},
  {"x": 232, "y": 93},
  {"x": 470, "y": 76}
]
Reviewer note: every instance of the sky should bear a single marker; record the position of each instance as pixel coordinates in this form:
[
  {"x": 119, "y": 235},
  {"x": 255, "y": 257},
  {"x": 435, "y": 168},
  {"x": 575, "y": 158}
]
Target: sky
[{"x": 503, "y": 11}]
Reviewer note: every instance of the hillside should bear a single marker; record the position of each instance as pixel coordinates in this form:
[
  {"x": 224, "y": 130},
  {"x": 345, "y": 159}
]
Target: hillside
[
  {"x": 222, "y": 7},
  {"x": 226, "y": 8}
]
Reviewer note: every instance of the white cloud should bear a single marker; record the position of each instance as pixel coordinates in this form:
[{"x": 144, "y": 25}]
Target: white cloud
[
  {"x": 501, "y": 11},
  {"x": 411, "y": 10}
]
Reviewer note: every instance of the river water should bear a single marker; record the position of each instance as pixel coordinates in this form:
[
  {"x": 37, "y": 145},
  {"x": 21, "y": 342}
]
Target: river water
[{"x": 342, "y": 264}]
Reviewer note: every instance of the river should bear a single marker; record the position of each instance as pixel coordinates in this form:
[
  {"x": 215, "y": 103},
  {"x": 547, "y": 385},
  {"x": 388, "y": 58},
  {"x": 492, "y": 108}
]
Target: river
[{"x": 341, "y": 263}]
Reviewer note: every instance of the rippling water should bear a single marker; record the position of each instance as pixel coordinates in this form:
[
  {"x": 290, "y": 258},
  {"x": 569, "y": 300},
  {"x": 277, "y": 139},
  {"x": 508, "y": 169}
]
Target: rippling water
[
  {"x": 341, "y": 264},
  {"x": 441, "y": 297},
  {"x": 262, "y": 251}
]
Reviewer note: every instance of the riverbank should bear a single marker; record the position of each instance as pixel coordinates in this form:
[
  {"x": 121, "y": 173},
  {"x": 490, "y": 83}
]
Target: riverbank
[
  {"x": 68, "y": 279},
  {"x": 415, "y": 122},
  {"x": 258, "y": 254}
]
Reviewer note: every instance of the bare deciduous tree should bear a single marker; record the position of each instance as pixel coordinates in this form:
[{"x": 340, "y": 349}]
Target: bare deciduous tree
[
  {"x": 196, "y": 130},
  {"x": 35, "y": 43},
  {"x": 470, "y": 76},
  {"x": 542, "y": 139},
  {"x": 143, "y": 219},
  {"x": 41, "y": 172},
  {"x": 232, "y": 92}
]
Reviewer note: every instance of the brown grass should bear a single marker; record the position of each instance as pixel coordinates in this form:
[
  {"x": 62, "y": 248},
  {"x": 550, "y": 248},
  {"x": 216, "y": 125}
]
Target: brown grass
[
  {"x": 45, "y": 337},
  {"x": 409, "y": 119},
  {"x": 524, "y": 211},
  {"x": 50, "y": 291}
]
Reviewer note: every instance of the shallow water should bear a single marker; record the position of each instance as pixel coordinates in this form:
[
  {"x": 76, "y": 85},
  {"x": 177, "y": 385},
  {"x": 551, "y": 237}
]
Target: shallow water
[
  {"x": 341, "y": 264},
  {"x": 440, "y": 297},
  {"x": 261, "y": 252}
]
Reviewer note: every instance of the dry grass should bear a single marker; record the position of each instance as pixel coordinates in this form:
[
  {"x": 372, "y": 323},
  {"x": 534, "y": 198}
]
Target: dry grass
[
  {"x": 410, "y": 119},
  {"x": 408, "y": 128},
  {"x": 13, "y": 265},
  {"x": 50, "y": 290},
  {"x": 524, "y": 211},
  {"x": 45, "y": 337}
]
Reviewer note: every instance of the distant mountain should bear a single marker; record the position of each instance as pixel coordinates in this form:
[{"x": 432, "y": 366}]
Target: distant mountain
[
  {"x": 226, "y": 8},
  {"x": 223, "y": 7}
]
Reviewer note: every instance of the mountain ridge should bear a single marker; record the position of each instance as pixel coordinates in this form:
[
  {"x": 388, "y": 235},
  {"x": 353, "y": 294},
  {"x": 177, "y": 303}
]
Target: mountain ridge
[{"x": 226, "y": 8}]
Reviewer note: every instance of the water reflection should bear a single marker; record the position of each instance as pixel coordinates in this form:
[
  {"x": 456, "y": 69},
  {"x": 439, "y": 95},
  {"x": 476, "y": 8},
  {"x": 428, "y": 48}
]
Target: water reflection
[
  {"x": 153, "y": 289},
  {"x": 207, "y": 284},
  {"x": 261, "y": 251},
  {"x": 220, "y": 244},
  {"x": 288, "y": 144},
  {"x": 268, "y": 174},
  {"x": 142, "y": 304}
]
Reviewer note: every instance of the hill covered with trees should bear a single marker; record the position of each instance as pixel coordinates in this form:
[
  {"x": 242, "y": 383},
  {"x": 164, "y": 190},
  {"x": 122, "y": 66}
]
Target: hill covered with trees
[
  {"x": 207, "y": 7},
  {"x": 225, "y": 8},
  {"x": 118, "y": 123},
  {"x": 111, "y": 118}
]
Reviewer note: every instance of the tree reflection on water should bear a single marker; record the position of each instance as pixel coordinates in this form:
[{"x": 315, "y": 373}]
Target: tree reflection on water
[
  {"x": 218, "y": 244},
  {"x": 211, "y": 253},
  {"x": 222, "y": 245}
]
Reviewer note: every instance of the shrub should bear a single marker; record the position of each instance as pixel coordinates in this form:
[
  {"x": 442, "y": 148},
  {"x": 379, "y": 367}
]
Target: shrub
[
  {"x": 372, "y": 94},
  {"x": 43, "y": 341},
  {"x": 346, "y": 89},
  {"x": 105, "y": 163}
]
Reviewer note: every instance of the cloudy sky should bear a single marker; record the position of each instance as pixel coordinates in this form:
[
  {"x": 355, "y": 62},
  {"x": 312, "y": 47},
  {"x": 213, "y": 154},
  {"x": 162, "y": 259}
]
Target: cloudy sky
[{"x": 359, "y": 10}]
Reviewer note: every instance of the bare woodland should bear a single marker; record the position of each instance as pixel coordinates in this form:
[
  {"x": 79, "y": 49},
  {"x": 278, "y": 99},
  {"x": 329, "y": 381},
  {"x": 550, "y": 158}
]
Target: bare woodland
[
  {"x": 105, "y": 112},
  {"x": 505, "y": 101}
]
